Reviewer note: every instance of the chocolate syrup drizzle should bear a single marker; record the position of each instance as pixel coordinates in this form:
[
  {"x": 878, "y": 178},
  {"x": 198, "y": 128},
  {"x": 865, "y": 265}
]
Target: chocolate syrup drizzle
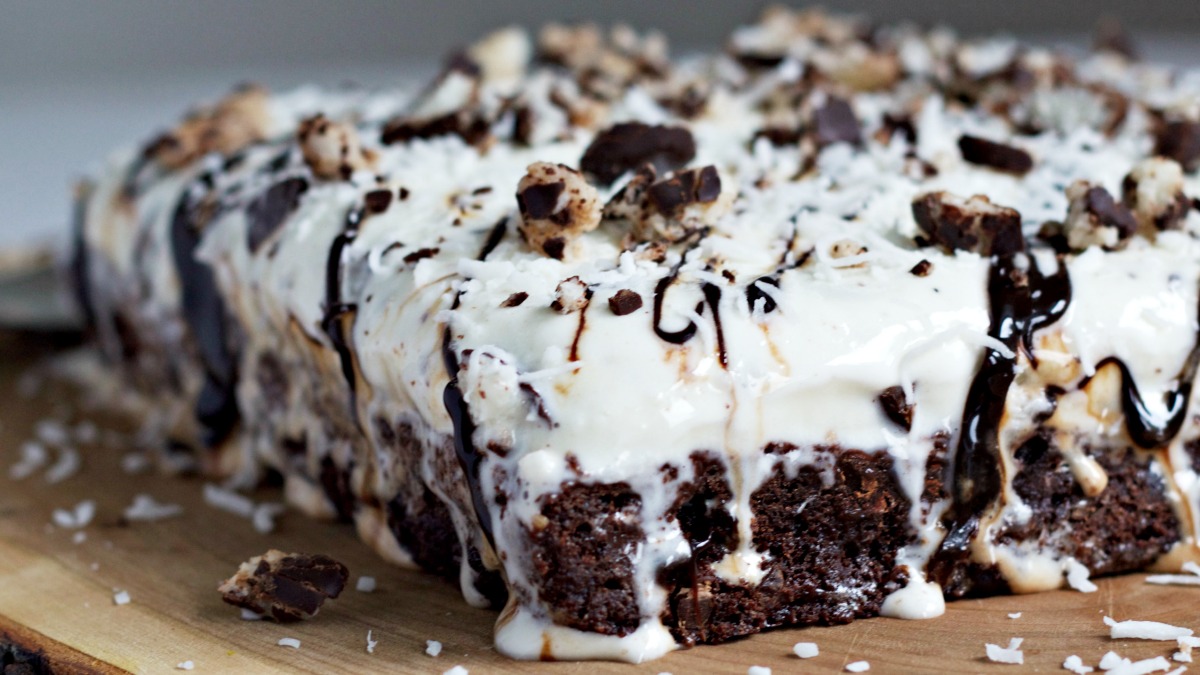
[
  {"x": 340, "y": 315},
  {"x": 1021, "y": 299},
  {"x": 206, "y": 317},
  {"x": 1139, "y": 422}
]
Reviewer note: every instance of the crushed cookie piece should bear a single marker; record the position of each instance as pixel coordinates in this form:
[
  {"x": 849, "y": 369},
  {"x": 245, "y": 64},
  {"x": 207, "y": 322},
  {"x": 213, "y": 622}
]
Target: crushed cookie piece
[
  {"x": 897, "y": 407},
  {"x": 671, "y": 209},
  {"x": 285, "y": 586},
  {"x": 630, "y": 145},
  {"x": 974, "y": 224},
  {"x": 1153, "y": 190},
  {"x": 332, "y": 149},
  {"x": 998, "y": 156},
  {"x": 557, "y": 206},
  {"x": 571, "y": 295},
  {"x": 1094, "y": 218},
  {"x": 624, "y": 302}
]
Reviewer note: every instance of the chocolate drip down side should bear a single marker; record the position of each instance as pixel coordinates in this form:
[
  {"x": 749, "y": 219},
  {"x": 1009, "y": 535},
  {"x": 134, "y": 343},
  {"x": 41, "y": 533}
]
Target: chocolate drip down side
[
  {"x": 1021, "y": 299},
  {"x": 339, "y": 315},
  {"x": 206, "y": 317}
]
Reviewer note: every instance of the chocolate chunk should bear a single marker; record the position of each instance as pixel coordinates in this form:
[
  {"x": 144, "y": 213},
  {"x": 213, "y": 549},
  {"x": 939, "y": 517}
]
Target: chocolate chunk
[
  {"x": 266, "y": 213},
  {"x": 695, "y": 186},
  {"x": 898, "y": 124},
  {"x": 1179, "y": 140},
  {"x": 921, "y": 269},
  {"x": 471, "y": 128},
  {"x": 835, "y": 122},
  {"x": 627, "y": 146},
  {"x": 421, "y": 254},
  {"x": 540, "y": 200},
  {"x": 515, "y": 299},
  {"x": 896, "y": 406},
  {"x": 974, "y": 224},
  {"x": 625, "y": 302},
  {"x": 285, "y": 586},
  {"x": 377, "y": 201},
  {"x": 995, "y": 155},
  {"x": 555, "y": 247}
]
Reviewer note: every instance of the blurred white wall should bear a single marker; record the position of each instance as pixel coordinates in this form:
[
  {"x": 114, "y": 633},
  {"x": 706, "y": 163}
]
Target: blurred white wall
[{"x": 78, "y": 78}]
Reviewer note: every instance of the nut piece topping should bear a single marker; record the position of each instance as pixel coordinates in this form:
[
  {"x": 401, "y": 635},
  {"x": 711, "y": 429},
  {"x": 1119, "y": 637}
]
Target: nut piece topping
[
  {"x": 974, "y": 224},
  {"x": 998, "y": 156},
  {"x": 631, "y": 145},
  {"x": 285, "y": 586},
  {"x": 557, "y": 205},
  {"x": 332, "y": 149},
  {"x": 1153, "y": 189},
  {"x": 571, "y": 296},
  {"x": 1095, "y": 218},
  {"x": 233, "y": 123}
]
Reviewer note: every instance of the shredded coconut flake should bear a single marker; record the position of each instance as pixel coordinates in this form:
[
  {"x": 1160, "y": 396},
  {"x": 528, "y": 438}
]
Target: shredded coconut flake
[
  {"x": 120, "y": 597},
  {"x": 1154, "y": 665},
  {"x": 371, "y": 643},
  {"x": 251, "y": 615},
  {"x": 1075, "y": 665},
  {"x": 456, "y": 670},
  {"x": 805, "y": 650},
  {"x": 65, "y": 466},
  {"x": 79, "y": 537},
  {"x": 365, "y": 585},
  {"x": 52, "y": 432},
  {"x": 186, "y": 665},
  {"x": 1010, "y": 654},
  {"x": 1173, "y": 580},
  {"x": 289, "y": 642},
  {"x": 145, "y": 508},
  {"x": 1014, "y": 615},
  {"x": 1145, "y": 630},
  {"x": 75, "y": 518},
  {"x": 264, "y": 516},
  {"x": 433, "y": 647},
  {"x": 858, "y": 667},
  {"x": 1113, "y": 660},
  {"x": 33, "y": 457},
  {"x": 758, "y": 670},
  {"x": 1182, "y": 657},
  {"x": 1079, "y": 577},
  {"x": 135, "y": 462},
  {"x": 228, "y": 500}
]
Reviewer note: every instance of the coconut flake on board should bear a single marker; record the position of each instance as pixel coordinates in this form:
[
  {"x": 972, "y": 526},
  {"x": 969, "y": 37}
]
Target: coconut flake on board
[{"x": 1011, "y": 654}]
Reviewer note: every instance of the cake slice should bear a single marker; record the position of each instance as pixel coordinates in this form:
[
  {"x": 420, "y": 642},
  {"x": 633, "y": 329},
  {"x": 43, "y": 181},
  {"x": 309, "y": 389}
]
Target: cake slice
[{"x": 840, "y": 322}]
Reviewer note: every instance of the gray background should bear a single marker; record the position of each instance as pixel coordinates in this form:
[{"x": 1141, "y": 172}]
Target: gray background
[{"x": 80, "y": 78}]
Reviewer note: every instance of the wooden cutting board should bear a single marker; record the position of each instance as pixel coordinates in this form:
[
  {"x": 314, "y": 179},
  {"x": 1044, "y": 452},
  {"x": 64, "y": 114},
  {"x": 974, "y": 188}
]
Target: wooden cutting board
[{"x": 56, "y": 595}]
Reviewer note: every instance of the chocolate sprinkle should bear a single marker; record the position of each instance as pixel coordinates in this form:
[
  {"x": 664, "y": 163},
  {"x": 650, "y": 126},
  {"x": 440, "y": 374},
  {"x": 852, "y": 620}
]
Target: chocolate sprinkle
[
  {"x": 627, "y": 146},
  {"x": 625, "y": 302},
  {"x": 421, "y": 254},
  {"x": 995, "y": 155}
]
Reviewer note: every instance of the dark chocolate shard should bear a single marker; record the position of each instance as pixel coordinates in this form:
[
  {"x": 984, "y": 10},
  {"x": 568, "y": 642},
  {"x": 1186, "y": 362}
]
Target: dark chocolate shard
[
  {"x": 267, "y": 212},
  {"x": 377, "y": 201},
  {"x": 625, "y": 302},
  {"x": 1180, "y": 141},
  {"x": 896, "y": 406},
  {"x": 515, "y": 300},
  {"x": 974, "y": 224},
  {"x": 471, "y": 128},
  {"x": 921, "y": 269},
  {"x": 285, "y": 586},
  {"x": 998, "y": 156},
  {"x": 629, "y": 145},
  {"x": 835, "y": 122},
  {"x": 694, "y": 186},
  {"x": 540, "y": 201}
]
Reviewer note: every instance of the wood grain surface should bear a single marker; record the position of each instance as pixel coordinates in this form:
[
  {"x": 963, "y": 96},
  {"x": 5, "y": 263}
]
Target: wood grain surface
[{"x": 56, "y": 595}]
